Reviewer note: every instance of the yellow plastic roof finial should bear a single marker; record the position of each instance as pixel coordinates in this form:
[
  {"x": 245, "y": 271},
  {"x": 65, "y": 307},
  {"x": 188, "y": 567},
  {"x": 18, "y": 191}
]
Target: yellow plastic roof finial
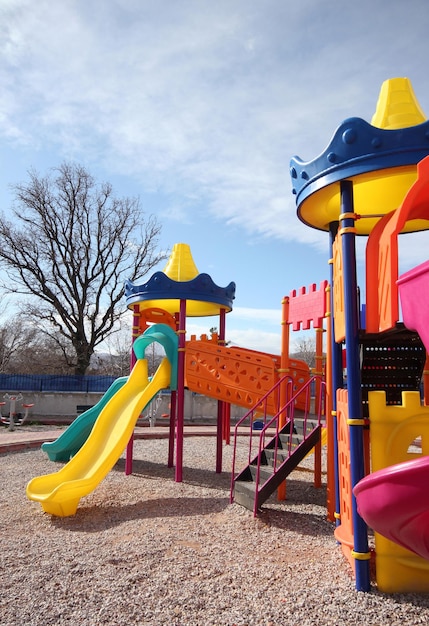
[
  {"x": 180, "y": 266},
  {"x": 397, "y": 106}
]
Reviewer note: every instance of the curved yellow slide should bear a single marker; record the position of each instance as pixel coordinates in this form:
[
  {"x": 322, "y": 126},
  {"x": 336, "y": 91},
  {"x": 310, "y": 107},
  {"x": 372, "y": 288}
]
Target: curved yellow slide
[{"x": 59, "y": 493}]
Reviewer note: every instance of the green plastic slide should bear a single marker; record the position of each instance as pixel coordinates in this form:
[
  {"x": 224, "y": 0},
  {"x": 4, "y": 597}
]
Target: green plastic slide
[{"x": 72, "y": 439}]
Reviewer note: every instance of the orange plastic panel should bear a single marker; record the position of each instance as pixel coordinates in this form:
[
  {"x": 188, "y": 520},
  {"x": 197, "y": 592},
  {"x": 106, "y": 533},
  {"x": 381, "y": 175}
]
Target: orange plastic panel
[
  {"x": 235, "y": 375},
  {"x": 344, "y": 532},
  {"x": 155, "y": 315},
  {"x": 238, "y": 375},
  {"x": 382, "y": 252}
]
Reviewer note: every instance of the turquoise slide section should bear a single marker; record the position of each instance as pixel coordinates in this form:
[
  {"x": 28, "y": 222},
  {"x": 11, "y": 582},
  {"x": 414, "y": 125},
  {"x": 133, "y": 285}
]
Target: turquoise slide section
[{"x": 72, "y": 439}]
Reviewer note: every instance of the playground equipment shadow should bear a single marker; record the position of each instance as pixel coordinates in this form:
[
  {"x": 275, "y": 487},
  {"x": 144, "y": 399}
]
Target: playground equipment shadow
[{"x": 116, "y": 515}]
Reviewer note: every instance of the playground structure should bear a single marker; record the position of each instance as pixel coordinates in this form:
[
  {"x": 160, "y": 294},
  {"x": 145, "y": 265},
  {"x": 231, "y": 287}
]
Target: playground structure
[
  {"x": 266, "y": 385},
  {"x": 371, "y": 181}
]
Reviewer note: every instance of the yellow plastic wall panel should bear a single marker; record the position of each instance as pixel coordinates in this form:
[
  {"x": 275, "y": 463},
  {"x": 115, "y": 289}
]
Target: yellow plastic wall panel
[{"x": 395, "y": 431}]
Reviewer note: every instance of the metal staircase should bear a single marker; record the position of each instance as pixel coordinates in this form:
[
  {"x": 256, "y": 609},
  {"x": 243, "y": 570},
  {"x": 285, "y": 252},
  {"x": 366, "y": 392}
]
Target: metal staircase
[{"x": 277, "y": 448}]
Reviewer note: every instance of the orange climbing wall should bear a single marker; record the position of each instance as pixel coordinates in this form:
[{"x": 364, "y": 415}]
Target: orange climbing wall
[
  {"x": 344, "y": 532},
  {"x": 236, "y": 375}
]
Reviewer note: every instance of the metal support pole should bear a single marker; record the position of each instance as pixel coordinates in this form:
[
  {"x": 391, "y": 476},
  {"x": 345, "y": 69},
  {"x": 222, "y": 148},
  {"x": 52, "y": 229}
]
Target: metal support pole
[
  {"x": 180, "y": 392},
  {"x": 133, "y": 359},
  {"x": 348, "y": 236},
  {"x": 221, "y": 422},
  {"x": 337, "y": 374}
]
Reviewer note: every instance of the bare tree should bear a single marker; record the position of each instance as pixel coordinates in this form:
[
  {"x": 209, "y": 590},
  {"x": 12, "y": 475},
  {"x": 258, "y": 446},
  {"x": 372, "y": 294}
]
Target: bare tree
[
  {"x": 46, "y": 357},
  {"x": 114, "y": 357},
  {"x": 70, "y": 247},
  {"x": 305, "y": 350},
  {"x": 15, "y": 339}
]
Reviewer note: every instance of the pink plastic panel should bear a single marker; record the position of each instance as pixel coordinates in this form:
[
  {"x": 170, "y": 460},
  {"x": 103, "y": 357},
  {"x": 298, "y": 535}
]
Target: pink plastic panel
[
  {"x": 307, "y": 306},
  {"x": 414, "y": 294},
  {"x": 395, "y": 503}
]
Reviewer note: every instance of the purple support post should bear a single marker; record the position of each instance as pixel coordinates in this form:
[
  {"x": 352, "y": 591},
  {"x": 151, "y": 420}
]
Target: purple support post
[
  {"x": 337, "y": 375},
  {"x": 220, "y": 411},
  {"x": 173, "y": 405},
  {"x": 173, "y": 415},
  {"x": 348, "y": 236},
  {"x": 180, "y": 391},
  {"x": 133, "y": 359}
]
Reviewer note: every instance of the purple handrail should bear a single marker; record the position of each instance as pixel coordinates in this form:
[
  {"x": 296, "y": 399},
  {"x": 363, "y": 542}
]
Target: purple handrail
[
  {"x": 288, "y": 380},
  {"x": 289, "y": 410}
]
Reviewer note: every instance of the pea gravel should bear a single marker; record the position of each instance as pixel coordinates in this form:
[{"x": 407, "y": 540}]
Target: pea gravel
[{"x": 145, "y": 550}]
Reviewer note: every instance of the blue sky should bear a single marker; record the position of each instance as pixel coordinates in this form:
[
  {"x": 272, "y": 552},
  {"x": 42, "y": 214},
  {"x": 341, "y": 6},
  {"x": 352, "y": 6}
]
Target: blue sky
[{"x": 197, "y": 107}]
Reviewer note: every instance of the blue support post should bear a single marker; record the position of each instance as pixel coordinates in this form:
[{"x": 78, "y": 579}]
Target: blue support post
[{"x": 355, "y": 421}]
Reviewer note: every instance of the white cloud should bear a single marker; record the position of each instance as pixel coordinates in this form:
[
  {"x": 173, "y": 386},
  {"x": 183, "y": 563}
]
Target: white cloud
[
  {"x": 255, "y": 339},
  {"x": 271, "y": 316},
  {"x": 251, "y": 328},
  {"x": 252, "y": 338},
  {"x": 204, "y": 102},
  {"x": 413, "y": 250}
]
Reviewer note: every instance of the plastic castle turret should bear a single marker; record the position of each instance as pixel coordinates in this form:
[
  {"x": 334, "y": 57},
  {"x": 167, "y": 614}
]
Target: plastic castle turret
[
  {"x": 368, "y": 181},
  {"x": 171, "y": 296},
  {"x": 379, "y": 158},
  {"x": 181, "y": 280}
]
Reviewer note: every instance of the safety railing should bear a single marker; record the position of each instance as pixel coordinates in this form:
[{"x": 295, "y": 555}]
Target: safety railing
[
  {"x": 55, "y": 383},
  {"x": 283, "y": 419},
  {"x": 256, "y": 418}
]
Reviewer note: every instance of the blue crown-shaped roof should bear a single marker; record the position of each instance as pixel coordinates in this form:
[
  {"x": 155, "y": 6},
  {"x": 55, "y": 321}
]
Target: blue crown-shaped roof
[
  {"x": 357, "y": 148},
  {"x": 161, "y": 287}
]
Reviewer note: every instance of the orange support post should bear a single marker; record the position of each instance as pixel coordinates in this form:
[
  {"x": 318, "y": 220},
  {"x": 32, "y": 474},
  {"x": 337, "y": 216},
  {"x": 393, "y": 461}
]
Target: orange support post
[{"x": 317, "y": 407}]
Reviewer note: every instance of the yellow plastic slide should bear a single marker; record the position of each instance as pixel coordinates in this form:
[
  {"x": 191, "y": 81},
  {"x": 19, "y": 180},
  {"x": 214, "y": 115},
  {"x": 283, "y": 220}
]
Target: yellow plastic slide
[{"x": 59, "y": 493}]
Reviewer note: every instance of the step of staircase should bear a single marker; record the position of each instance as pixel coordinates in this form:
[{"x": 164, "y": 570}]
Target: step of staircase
[{"x": 291, "y": 449}]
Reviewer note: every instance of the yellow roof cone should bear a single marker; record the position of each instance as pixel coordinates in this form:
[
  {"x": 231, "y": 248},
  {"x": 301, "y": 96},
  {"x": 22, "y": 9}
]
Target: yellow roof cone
[
  {"x": 180, "y": 281},
  {"x": 180, "y": 266},
  {"x": 397, "y": 106}
]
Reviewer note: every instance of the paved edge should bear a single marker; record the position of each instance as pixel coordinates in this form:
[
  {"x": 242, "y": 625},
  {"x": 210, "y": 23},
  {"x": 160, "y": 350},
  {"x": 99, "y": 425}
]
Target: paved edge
[{"x": 21, "y": 443}]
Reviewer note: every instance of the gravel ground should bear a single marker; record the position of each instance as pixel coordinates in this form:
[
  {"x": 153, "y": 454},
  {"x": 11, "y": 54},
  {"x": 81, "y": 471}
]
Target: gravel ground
[{"x": 143, "y": 549}]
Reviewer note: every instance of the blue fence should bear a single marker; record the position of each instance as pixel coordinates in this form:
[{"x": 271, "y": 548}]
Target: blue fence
[{"x": 52, "y": 382}]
